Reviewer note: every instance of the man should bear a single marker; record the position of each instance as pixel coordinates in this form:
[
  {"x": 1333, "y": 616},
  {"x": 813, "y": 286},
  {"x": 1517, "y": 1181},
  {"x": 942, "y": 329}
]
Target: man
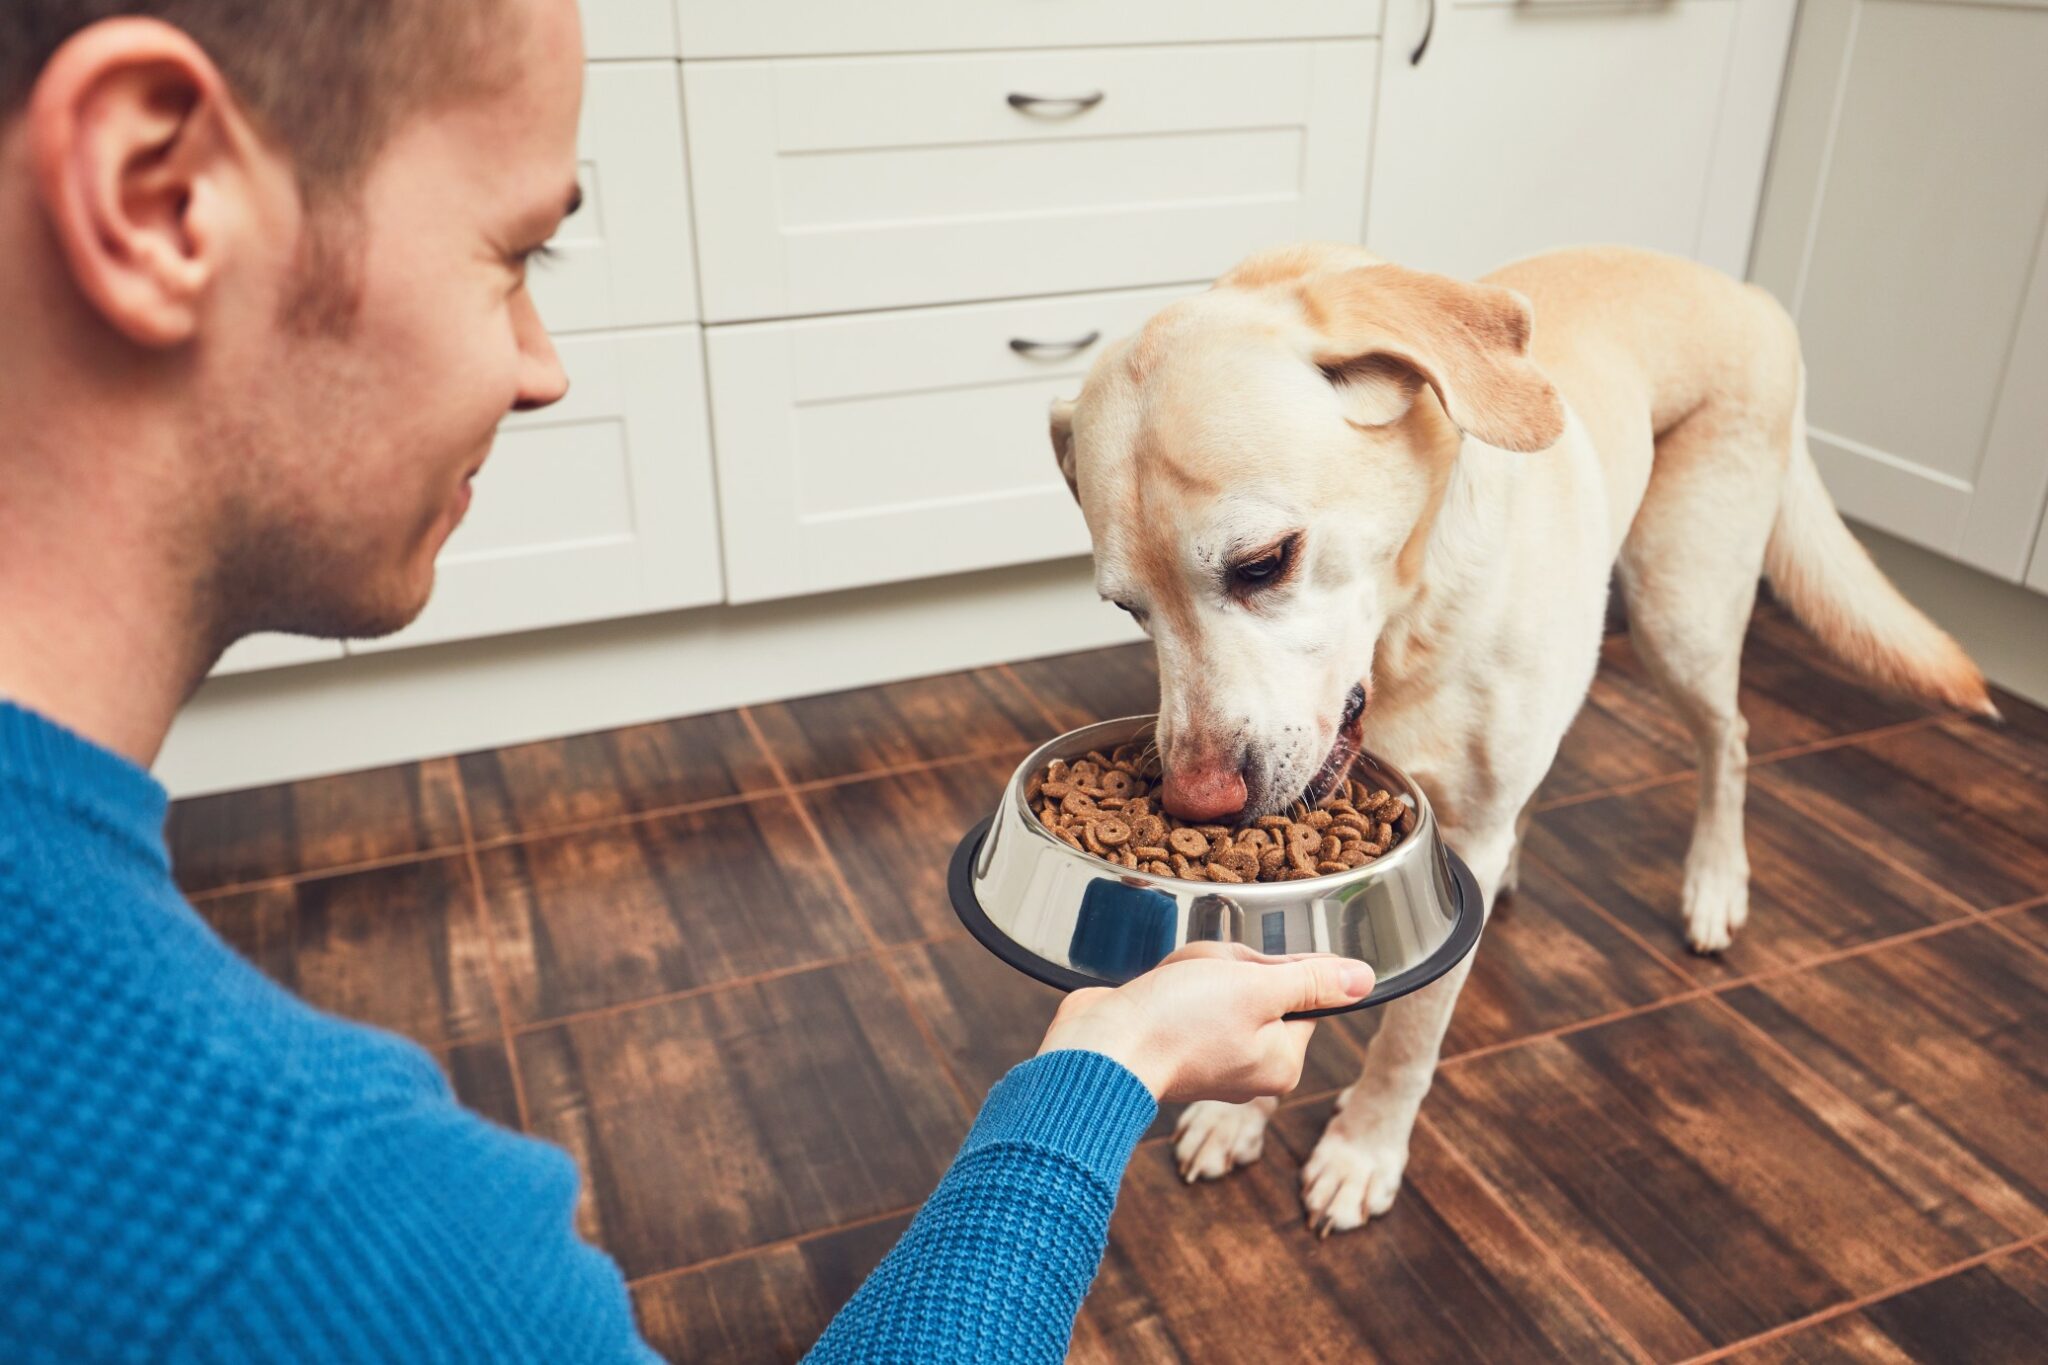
[{"x": 262, "y": 276}]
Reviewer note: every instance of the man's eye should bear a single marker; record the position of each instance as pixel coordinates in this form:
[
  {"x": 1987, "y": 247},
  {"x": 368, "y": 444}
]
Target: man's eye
[{"x": 541, "y": 256}]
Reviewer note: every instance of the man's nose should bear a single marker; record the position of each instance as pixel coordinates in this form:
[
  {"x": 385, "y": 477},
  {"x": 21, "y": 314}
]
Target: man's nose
[{"x": 542, "y": 380}]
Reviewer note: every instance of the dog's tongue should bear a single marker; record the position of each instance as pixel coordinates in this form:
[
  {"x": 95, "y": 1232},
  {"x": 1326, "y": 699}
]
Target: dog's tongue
[{"x": 1204, "y": 797}]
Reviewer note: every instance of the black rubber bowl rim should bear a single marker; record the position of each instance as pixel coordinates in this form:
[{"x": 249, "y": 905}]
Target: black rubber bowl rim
[{"x": 960, "y": 886}]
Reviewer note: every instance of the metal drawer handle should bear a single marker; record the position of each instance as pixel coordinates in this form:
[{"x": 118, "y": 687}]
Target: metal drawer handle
[
  {"x": 1040, "y": 350},
  {"x": 1428, "y": 29},
  {"x": 1067, "y": 104}
]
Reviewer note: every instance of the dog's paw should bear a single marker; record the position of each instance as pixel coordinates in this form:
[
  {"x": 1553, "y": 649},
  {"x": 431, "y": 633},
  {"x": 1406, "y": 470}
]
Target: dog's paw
[
  {"x": 1350, "y": 1179},
  {"x": 1212, "y": 1139},
  {"x": 1716, "y": 905}
]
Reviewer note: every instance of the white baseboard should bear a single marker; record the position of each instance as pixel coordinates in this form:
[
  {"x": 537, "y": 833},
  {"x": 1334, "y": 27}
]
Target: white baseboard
[
  {"x": 368, "y": 711},
  {"x": 2003, "y": 625},
  {"x": 373, "y": 710}
]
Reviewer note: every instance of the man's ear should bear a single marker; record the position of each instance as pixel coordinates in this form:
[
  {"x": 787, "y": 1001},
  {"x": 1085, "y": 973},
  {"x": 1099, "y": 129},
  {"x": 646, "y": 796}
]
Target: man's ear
[
  {"x": 1384, "y": 330},
  {"x": 126, "y": 129},
  {"x": 1063, "y": 442}
]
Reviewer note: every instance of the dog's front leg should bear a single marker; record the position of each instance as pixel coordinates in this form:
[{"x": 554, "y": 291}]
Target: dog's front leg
[
  {"x": 1355, "y": 1171},
  {"x": 1214, "y": 1138}
]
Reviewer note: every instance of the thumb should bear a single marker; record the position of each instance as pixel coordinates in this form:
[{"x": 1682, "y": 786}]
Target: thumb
[{"x": 1316, "y": 983}]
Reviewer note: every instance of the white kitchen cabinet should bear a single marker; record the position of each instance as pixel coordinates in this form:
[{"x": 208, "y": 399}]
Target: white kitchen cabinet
[
  {"x": 601, "y": 506},
  {"x": 628, "y": 28},
  {"x": 2037, "y": 576},
  {"x": 730, "y": 28},
  {"x": 843, "y": 184},
  {"x": 901, "y": 445},
  {"x": 1904, "y": 227},
  {"x": 625, "y": 259},
  {"x": 1527, "y": 126},
  {"x": 260, "y": 652}
]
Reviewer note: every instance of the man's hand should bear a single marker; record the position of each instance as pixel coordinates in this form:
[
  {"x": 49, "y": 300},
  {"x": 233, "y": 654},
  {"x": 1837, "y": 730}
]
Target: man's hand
[{"x": 1206, "y": 1023}]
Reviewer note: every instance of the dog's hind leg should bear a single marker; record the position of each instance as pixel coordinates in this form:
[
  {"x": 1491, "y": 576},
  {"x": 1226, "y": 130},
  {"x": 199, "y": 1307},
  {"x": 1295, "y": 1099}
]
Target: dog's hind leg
[{"x": 1689, "y": 571}]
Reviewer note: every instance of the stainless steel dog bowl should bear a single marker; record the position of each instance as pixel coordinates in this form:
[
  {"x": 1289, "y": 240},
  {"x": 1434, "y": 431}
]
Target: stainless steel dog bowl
[{"x": 1071, "y": 920}]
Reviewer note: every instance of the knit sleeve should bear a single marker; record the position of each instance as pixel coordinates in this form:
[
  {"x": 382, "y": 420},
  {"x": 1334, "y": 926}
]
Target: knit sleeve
[
  {"x": 997, "y": 1262},
  {"x": 432, "y": 1236}
]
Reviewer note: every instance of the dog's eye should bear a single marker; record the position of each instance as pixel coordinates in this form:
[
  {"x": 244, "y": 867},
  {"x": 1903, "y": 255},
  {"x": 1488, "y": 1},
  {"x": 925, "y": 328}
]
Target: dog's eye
[
  {"x": 1268, "y": 569},
  {"x": 1136, "y": 613},
  {"x": 1260, "y": 570}
]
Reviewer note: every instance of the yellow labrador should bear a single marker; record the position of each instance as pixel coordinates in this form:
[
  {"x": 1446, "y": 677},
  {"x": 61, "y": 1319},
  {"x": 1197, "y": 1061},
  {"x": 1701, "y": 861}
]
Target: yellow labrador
[{"x": 1357, "y": 504}]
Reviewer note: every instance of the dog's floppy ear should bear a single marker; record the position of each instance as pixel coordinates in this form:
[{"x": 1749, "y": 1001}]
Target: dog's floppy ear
[
  {"x": 1063, "y": 442},
  {"x": 1381, "y": 324}
]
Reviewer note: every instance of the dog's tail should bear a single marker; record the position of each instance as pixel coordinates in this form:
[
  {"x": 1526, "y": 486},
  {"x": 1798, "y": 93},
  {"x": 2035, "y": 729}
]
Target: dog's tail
[{"x": 1827, "y": 578}]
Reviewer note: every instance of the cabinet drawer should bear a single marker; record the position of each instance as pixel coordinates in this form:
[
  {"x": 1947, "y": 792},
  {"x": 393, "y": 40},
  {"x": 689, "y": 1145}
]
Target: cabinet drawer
[
  {"x": 847, "y": 184},
  {"x": 599, "y": 507},
  {"x": 903, "y": 445},
  {"x": 628, "y": 28},
  {"x": 624, "y": 260},
  {"x": 726, "y": 28}
]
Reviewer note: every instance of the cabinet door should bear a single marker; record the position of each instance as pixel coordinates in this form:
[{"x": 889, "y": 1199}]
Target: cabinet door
[
  {"x": 859, "y": 183},
  {"x": 900, "y": 445},
  {"x": 628, "y": 28},
  {"x": 1904, "y": 229},
  {"x": 260, "y": 652},
  {"x": 625, "y": 259},
  {"x": 599, "y": 507},
  {"x": 1524, "y": 127}
]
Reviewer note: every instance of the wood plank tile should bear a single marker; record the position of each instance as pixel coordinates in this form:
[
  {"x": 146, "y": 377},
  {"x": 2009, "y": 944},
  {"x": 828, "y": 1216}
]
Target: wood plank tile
[
  {"x": 609, "y": 916},
  {"x": 1946, "y": 1039},
  {"x": 768, "y": 1306},
  {"x": 327, "y": 822},
  {"x": 894, "y": 838},
  {"x": 1793, "y": 693},
  {"x": 2030, "y": 925},
  {"x": 2023, "y": 717},
  {"x": 1699, "y": 1185},
  {"x": 725, "y": 1121},
  {"x": 589, "y": 778},
  {"x": 900, "y": 723},
  {"x": 1545, "y": 961},
  {"x": 1961, "y": 803},
  {"x": 989, "y": 1017},
  {"x": 1624, "y": 733},
  {"x": 1101, "y": 684},
  {"x": 482, "y": 1077},
  {"x": 1994, "y": 1312},
  {"x": 1810, "y": 892},
  {"x": 398, "y": 947},
  {"x": 1226, "y": 1271}
]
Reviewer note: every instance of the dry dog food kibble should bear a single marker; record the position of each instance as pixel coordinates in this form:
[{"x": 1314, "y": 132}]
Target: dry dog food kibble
[{"x": 1107, "y": 805}]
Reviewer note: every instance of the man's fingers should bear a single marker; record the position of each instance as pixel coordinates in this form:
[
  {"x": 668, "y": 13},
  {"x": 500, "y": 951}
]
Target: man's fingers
[
  {"x": 1318, "y": 983},
  {"x": 1232, "y": 951}
]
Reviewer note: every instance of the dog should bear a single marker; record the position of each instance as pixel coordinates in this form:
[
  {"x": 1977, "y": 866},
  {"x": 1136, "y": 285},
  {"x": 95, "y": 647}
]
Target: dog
[{"x": 1357, "y": 505}]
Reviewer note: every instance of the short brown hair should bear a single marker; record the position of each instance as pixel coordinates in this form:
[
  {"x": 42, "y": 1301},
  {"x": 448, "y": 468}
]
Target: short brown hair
[{"x": 329, "y": 79}]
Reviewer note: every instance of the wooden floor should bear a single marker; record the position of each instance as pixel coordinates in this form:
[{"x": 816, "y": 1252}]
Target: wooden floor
[{"x": 714, "y": 960}]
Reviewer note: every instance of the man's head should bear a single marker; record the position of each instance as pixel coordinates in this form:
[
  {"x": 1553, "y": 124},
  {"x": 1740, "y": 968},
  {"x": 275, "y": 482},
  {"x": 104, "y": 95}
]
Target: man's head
[
  {"x": 263, "y": 264},
  {"x": 1260, "y": 468}
]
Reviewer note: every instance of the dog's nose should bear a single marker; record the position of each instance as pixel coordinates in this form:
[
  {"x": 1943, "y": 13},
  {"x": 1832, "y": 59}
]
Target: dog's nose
[{"x": 1204, "y": 796}]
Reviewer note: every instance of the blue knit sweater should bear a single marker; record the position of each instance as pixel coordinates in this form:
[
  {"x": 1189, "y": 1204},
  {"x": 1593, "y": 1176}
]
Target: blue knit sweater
[{"x": 196, "y": 1167}]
